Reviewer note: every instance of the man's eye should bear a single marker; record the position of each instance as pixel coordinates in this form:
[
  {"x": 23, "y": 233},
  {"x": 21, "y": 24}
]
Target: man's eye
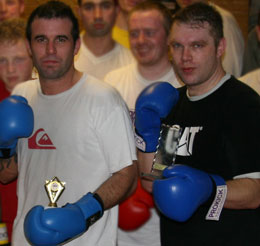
[
  {"x": 88, "y": 6},
  {"x": 3, "y": 61},
  {"x": 133, "y": 34},
  {"x": 150, "y": 33},
  {"x": 19, "y": 60},
  {"x": 40, "y": 40},
  {"x": 175, "y": 45},
  {"x": 61, "y": 40},
  {"x": 106, "y": 5}
]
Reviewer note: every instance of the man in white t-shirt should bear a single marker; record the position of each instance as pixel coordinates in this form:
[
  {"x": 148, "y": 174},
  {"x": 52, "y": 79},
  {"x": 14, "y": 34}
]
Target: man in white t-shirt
[
  {"x": 65, "y": 127},
  {"x": 252, "y": 78},
  {"x": 233, "y": 57},
  {"x": 149, "y": 25},
  {"x": 99, "y": 53}
]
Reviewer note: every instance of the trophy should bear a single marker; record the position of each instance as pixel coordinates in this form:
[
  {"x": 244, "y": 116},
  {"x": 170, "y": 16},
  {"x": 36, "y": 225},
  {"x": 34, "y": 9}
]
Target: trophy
[
  {"x": 166, "y": 152},
  {"x": 54, "y": 189}
]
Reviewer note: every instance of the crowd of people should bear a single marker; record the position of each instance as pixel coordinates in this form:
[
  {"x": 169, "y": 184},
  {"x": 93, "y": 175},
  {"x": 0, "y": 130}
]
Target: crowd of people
[{"x": 87, "y": 104}]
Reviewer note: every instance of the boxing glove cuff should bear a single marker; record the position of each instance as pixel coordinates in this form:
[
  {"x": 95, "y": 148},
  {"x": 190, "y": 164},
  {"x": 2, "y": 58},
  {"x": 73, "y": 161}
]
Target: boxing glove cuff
[
  {"x": 92, "y": 207},
  {"x": 148, "y": 145},
  {"x": 218, "y": 201}
]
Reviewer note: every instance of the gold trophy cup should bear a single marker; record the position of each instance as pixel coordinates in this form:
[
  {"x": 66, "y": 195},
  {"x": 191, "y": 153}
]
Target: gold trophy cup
[{"x": 54, "y": 189}]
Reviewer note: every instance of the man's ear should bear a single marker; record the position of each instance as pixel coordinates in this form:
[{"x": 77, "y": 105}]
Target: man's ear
[
  {"x": 221, "y": 47},
  {"x": 28, "y": 46},
  {"x": 77, "y": 46}
]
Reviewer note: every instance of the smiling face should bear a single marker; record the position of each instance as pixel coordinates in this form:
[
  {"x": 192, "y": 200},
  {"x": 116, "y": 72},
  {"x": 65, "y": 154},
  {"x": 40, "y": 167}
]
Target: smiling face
[
  {"x": 52, "y": 47},
  {"x": 98, "y": 16},
  {"x": 148, "y": 38},
  {"x": 196, "y": 59},
  {"x": 11, "y": 9},
  {"x": 15, "y": 63}
]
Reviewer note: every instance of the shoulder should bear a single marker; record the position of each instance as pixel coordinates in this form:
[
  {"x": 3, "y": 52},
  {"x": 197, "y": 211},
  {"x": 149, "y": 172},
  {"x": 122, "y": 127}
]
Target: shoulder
[
  {"x": 26, "y": 88},
  {"x": 239, "y": 96},
  {"x": 100, "y": 93},
  {"x": 250, "y": 77},
  {"x": 119, "y": 75}
]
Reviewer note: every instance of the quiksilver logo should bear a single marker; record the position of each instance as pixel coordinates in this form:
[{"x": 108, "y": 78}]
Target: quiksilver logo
[{"x": 40, "y": 140}]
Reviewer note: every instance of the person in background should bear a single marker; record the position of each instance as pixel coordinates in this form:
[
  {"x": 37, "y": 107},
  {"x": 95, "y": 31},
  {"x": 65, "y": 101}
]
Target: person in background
[
  {"x": 15, "y": 67},
  {"x": 211, "y": 195},
  {"x": 67, "y": 125},
  {"x": 149, "y": 25},
  {"x": 11, "y": 9},
  {"x": 252, "y": 51},
  {"x": 99, "y": 53},
  {"x": 233, "y": 56},
  {"x": 252, "y": 78},
  {"x": 120, "y": 30}
]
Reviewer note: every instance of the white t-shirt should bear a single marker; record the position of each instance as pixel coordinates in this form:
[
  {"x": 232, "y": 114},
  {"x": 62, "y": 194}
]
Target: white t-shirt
[
  {"x": 233, "y": 57},
  {"x": 252, "y": 79},
  {"x": 86, "y": 61},
  {"x": 129, "y": 82},
  {"x": 82, "y": 136}
]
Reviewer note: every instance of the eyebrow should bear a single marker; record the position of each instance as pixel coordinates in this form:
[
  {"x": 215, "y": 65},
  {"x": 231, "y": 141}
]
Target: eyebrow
[{"x": 58, "y": 36}]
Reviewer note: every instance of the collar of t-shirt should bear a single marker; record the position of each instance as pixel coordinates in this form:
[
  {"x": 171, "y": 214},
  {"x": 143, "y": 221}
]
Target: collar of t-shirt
[{"x": 221, "y": 82}]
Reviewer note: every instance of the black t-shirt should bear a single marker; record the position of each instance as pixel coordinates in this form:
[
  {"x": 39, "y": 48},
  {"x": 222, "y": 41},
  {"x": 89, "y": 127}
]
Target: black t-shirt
[{"x": 220, "y": 135}]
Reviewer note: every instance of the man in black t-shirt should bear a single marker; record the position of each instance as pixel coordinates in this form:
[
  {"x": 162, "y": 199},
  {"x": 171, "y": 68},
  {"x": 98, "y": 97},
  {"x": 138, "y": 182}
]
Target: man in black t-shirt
[{"x": 219, "y": 143}]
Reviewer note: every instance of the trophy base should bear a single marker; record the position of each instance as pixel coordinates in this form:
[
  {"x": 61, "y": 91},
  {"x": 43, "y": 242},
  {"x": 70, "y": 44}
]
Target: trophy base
[{"x": 52, "y": 205}]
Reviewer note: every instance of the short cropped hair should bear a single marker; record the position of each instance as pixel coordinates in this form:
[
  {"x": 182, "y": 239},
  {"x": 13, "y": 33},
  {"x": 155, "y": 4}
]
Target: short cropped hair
[
  {"x": 199, "y": 13},
  {"x": 12, "y": 30},
  {"x": 80, "y": 2},
  {"x": 53, "y": 10},
  {"x": 155, "y": 5}
]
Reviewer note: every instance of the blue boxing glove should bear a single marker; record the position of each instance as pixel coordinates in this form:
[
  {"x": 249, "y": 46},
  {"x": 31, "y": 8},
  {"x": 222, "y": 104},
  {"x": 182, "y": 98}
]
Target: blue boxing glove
[
  {"x": 183, "y": 189},
  {"x": 54, "y": 226},
  {"x": 154, "y": 102},
  {"x": 16, "y": 122}
]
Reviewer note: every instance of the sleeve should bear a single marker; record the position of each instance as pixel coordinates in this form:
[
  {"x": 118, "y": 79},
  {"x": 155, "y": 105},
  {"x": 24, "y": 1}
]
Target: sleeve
[
  {"x": 242, "y": 133},
  {"x": 116, "y": 138}
]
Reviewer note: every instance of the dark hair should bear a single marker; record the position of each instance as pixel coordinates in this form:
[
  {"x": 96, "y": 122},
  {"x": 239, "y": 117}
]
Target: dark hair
[
  {"x": 52, "y": 10},
  {"x": 115, "y": 2},
  {"x": 154, "y": 5},
  {"x": 197, "y": 14}
]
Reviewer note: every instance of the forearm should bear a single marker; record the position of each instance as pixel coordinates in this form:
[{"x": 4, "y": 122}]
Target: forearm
[
  {"x": 8, "y": 169},
  {"x": 145, "y": 162},
  {"x": 118, "y": 187},
  {"x": 243, "y": 194}
]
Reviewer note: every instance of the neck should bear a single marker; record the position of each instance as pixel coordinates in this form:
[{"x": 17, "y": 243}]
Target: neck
[
  {"x": 121, "y": 20},
  {"x": 56, "y": 86},
  {"x": 206, "y": 86},
  {"x": 156, "y": 71},
  {"x": 99, "y": 45}
]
